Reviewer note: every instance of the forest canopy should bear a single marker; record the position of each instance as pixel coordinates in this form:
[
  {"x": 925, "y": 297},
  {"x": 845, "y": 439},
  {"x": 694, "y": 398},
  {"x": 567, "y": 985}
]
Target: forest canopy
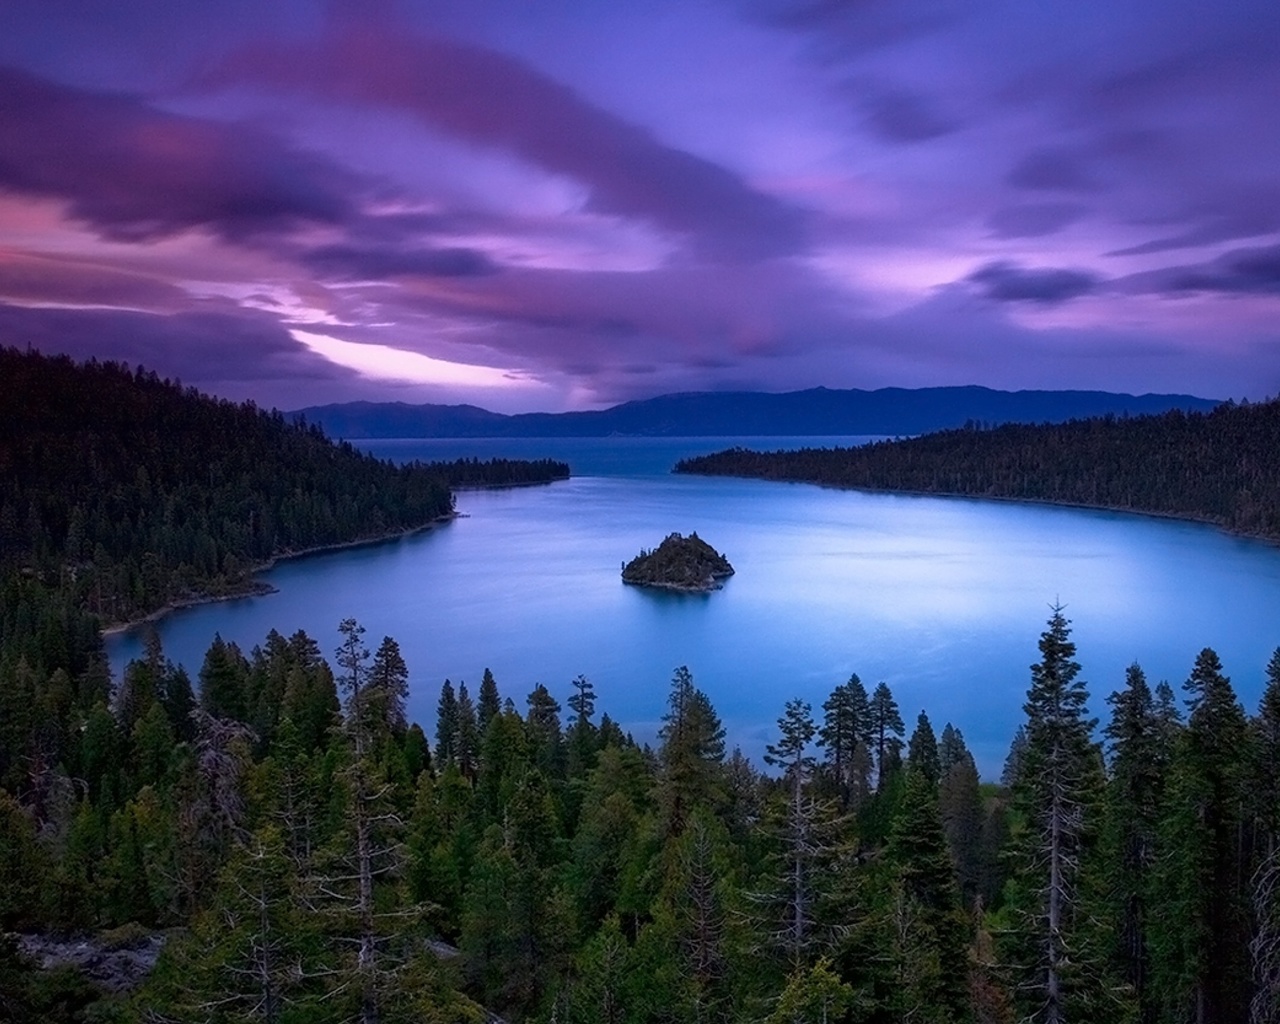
[
  {"x": 126, "y": 492},
  {"x": 305, "y": 852},
  {"x": 1218, "y": 467}
]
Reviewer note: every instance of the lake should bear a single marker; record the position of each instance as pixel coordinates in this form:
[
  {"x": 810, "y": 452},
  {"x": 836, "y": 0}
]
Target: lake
[{"x": 942, "y": 598}]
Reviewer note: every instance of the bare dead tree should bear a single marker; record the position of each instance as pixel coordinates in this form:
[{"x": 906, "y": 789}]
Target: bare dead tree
[{"x": 1264, "y": 949}]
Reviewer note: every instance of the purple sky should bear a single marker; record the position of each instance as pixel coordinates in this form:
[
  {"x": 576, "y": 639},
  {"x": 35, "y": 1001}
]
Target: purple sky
[{"x": 565, "y": 205}]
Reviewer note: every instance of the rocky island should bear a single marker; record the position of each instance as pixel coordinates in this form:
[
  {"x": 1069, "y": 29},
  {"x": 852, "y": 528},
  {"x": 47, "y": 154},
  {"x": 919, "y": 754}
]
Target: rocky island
[{"x": 687, "y": 564}]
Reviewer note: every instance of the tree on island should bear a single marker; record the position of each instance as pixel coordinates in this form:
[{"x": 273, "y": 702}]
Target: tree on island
[{"x": 679, "y": 563}]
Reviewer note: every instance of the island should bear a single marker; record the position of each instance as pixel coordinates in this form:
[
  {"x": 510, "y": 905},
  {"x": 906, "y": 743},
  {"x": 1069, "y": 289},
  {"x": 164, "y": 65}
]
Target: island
[{"x": 688, "y": 564}]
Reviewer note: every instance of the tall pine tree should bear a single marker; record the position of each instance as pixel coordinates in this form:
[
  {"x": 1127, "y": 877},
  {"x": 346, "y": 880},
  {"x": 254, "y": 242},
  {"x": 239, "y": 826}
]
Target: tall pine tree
[
  {"x": 1056, "y": 790},
  {"x": 1202, "y": 963}
]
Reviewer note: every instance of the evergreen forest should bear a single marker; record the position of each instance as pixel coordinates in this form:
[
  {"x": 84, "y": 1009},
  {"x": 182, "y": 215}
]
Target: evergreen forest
[
  {"x": 308, "y": 854},
  {"x": 121, "y": 494},
  {"x": 1218, "y": 467},
  {"x": 300, "y": 851}
]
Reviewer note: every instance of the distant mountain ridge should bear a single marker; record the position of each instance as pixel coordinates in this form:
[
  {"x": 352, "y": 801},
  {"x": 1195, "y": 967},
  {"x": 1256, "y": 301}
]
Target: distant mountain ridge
[{"x": 816, "y": 411}]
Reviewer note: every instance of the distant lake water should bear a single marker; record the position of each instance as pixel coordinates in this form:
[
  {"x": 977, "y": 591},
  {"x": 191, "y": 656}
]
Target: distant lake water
[{"x": 942, "y": 598}]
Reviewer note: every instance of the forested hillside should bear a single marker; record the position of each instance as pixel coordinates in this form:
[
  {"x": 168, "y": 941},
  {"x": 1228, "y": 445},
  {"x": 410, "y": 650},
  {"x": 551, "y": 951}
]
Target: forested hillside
[
  {"x": 498, "y": 472},
  {"x": 1220, "y": 467},
  {"x": 312, "y": 856},
  {"x": 307, "y": 854},
  {"x": 132, "y": 492}
]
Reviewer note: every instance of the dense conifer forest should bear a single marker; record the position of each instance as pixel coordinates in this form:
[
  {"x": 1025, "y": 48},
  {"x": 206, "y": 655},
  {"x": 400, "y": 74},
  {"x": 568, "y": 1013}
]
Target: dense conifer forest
[
  {"x": 307, "y": 854},
  {"x": 498, "y": 472},
  {"x": 1219, "y": 467},
  {"x": 121, "y": 493}
]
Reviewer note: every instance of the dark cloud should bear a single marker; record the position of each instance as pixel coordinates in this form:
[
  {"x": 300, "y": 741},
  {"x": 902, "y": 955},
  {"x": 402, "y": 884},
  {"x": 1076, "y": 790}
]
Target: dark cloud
[
  {"x": 197, "y": 347},
  {"x": 1033, "y": 220},
  {"x": 1252, "y": 271},
  {"x": 360, "y": 263},
  {"x": 905, "y": 117},
  {"x": 137, "y": 173},
  {"x": 31, "y": 278},
  {"x": 1008, "y": 282},
  {"x": 492, "y": 99},
  {"x": 561, "y": 232},
  {"x": 558, "y": 321},
  {"x": 1234, "y": 214}
]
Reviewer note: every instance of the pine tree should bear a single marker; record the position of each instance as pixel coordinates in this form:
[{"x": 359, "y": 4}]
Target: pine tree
[
  {"x": 151, "y": 746},
  {"x": 1139, "y": 756},
  {"x": 488, "y": 702},
  {"x": 468, "y": 735},
  {"x": 886, "y": 734},
  {"x": 223, "y": 680},
  {"x": 546, "y": 742},
  {"x": 251, "y": 955},
  {"x": 922, "y": 751},
  {"x": 814, "y": 995},
  {"x": 700, "y": 896},
  {"x": 1056, "y": 789},
  {"x": 1013, "y": 761},
  {"x": 447, "y": 726},
  {"x": 582, "y": 731},
  {"x": 960, "y": 804},
  {"x": 846, "y": 726},
  {"x": 802, "y": 843},
  {"x": 616, "y": 794},
  {"x": 1201, "y": 961},
  {"x": 932, "y": 936},
  {"x": 1264, "y": 949},
  {"x": 951, "y": 749},
  {"x": 352, "y": 657},
  {"x": 388, "y": 687},
  {"x": 602, "y": 971},
  {"x": 371, "y": 851},
  {"x": 691, "y": 753},
  {"x": 504, "y": 761}
]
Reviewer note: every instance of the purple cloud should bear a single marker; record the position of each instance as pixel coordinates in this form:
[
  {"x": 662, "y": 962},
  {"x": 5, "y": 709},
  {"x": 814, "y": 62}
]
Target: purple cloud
[
  {"x": 1007, "y": 282},
  {"x": 489, "y": 98},
  {"x": 36, "y": 279},
  {"x": 1252, "y": 271},
  {"x": 349, "y": 261},
  {"x": 234, "y": 345},
  {"x": 616, "y": 204},
  {"x": 901, "y": 116},
  {"x": 136, "y": 173}
]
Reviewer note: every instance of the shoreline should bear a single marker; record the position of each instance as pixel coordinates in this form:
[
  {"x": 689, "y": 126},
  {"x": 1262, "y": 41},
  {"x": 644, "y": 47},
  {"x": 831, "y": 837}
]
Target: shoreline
[
  {"x": 508, "y": 487},
  {"x": 714, "y": 582},
  {"x": 259, "y": 588},
  {"x": 1177, "y": 517},
  {"x": 678, "y": 588}
]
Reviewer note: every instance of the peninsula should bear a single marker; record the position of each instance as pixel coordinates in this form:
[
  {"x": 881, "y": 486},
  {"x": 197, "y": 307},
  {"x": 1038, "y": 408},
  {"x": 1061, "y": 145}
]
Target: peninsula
[{"x": 688, "y": 564}]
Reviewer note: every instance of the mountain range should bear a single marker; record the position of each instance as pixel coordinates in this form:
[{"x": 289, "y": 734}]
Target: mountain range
[{"x": 816, "y": 411}]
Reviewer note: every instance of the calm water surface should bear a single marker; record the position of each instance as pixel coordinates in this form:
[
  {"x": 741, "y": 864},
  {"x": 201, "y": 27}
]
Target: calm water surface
[{"x": 944, "y": 599}]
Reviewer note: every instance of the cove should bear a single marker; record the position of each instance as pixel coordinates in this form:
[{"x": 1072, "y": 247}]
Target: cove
[{"x": 942, "y": 598}]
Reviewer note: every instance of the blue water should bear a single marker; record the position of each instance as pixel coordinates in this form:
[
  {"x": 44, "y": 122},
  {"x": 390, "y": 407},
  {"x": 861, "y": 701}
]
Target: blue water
[{"x": 944, "y": 599}]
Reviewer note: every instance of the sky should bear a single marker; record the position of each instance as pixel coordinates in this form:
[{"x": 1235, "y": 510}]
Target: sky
[{"x": 564, "y": 205}]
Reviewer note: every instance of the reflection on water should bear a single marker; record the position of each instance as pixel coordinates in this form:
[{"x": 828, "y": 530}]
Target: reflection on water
[{"x": 944, "y": 599}]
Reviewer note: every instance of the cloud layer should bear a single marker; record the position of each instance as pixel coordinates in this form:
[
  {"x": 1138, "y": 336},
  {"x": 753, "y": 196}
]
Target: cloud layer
[{"x": 603, "y": 204}]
